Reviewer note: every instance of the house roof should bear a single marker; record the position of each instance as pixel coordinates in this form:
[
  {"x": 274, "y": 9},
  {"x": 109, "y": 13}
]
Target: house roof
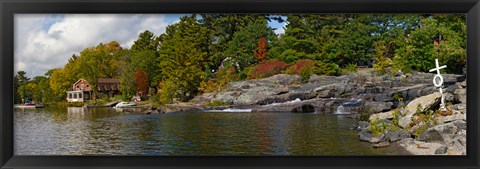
[
  {"x": 108, "y": 80},
  {"x": 79, "y": 80}
]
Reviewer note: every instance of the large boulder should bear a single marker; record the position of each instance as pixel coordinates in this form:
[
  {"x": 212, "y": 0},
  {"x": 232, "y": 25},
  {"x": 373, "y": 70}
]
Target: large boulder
[
  {"x": 461, "y": 95},
  {"x": 450, "y": 118},
  {"x": 439, "y": 134},
  {"x": 369, "y": 137},
  {"x": 378, "y": 106},
  {"x": 441, "y": 150},
  {"x": 325, "y": 91},
  {"x": 420, "y": 148},
  {"x": 422, "y": 104},
  {"x": 384, "y": 97},
  {"x": 381, "y": 145},
  {"x": 227, "y": 97},
  {"x": 253, "y": 97},
  {"x": 397, "y": 135},
  {"x": 379, "y": 116},
  {"x": 460, "y": 124},
  {"x": 405, "y": 121},
  {"x": 204, "y": 98}
]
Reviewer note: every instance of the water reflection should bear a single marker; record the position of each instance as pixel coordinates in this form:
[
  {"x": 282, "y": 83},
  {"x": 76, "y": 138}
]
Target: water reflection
[{"x": 81, "y": 131}]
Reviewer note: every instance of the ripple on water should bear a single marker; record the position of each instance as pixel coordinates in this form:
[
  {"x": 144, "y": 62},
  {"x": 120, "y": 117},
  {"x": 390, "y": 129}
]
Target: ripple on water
[{"x": 57, "y": 131}]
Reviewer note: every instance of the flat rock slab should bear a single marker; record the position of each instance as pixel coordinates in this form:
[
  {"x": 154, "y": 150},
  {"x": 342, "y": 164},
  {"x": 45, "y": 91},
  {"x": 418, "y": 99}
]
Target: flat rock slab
[
  {"x": 423, "y": 103},
  {"x": 421, "y": 148},
  {"x": 379, "y": 116},
  {"x": 382, "y": 144}
]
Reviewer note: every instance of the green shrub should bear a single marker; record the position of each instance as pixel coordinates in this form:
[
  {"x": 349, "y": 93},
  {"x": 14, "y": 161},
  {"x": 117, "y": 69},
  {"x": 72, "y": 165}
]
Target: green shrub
[
  {"x": 168, "y": 92},
  {"x": 350, "y": 68},
  {"x": 377, "y": 128},
  {"x": 419, "y": 131},
  {"x": 364, "y": 113},
  {"x": 216, "y": 103},
  {"x": 222, "y": 77},
  {"x": 398, "y": 97},
  {"x": 330, "y": 69}
]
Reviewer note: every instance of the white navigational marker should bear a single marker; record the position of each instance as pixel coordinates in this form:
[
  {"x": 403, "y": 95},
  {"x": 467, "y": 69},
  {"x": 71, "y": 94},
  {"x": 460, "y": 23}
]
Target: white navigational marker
[{"x": 438, "y": 83}]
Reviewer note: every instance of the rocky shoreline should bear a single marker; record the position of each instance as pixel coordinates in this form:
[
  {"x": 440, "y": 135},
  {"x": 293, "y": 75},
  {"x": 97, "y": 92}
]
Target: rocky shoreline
[{"x": 389, "y": 104}]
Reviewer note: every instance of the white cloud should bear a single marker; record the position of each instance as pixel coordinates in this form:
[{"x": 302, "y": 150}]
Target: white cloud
[
  {"x": 280, "y": 30},
  {"x": 44, "y": 42}
]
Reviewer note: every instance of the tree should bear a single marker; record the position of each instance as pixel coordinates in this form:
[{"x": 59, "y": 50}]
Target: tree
[
  {"x": 182, "y": 58},
  {"x": 101, "y": 61},
  {"x": 309, "y": 36},
  {"x": 241, "y": 48},
  {"x": 220, "y": 30},
  {"x": 419, "y": 50},
  {"x": 145, "y": 41},
  {"x": 20, "y": 79},
  {"x": 141, "y": 82},
  {"x": 261, "y": 52}
]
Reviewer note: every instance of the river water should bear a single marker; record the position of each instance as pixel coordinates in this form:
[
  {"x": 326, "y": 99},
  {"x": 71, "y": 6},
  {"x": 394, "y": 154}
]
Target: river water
[{"x": 109, "y": 131}]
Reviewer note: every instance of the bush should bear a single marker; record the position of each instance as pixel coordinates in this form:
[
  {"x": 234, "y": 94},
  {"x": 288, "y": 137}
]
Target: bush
[
  {"x": 350, "y": 68},
  {"x": 382, "y": 62},
  {"x": 168, "y": 92},
  {"x": 377, "y": 128},
  {"x": 364, "y": 112},
  {"x": 329, "y": 69},
  {"x": 216, "y": 103},
  {"x": 221, "y": 79},
  {"x": 267, "y": 69},
  {"x": 105, "y": 98},
  {"x": 305, "y": 68}
]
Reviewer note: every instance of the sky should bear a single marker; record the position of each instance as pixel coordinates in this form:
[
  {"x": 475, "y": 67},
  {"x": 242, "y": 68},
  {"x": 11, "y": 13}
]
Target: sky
[{"x": 46, "y": 41}]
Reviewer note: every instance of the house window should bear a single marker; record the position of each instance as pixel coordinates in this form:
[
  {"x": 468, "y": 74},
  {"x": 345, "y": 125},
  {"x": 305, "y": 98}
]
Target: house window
[
  {"x": 69, "y": 95},
  {"x": 80, "y": 95},
  {"x": 74, "y": 95}
]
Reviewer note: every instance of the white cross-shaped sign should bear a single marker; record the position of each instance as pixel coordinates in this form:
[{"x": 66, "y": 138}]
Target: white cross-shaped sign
[{"x": 439, "y": 83}]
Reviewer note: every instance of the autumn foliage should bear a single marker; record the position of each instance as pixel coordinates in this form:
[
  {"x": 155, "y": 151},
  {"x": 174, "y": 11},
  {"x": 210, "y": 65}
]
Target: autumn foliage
[
  {"x": 267, "y": 69},
  {"x": 141, "y": 82},
  {"x": 261, "y": 52},
  {"x": 304, "y": 68}
]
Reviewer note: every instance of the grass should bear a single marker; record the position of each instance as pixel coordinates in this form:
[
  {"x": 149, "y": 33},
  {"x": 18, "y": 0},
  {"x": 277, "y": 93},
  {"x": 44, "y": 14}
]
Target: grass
[
  {"x": 217, "y": 103},
  {"x": 381, "y": 128},
  {"x": 364, "y": 112}
]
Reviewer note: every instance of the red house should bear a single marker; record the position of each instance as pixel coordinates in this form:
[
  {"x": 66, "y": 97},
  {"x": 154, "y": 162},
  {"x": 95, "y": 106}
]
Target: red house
[{"x": 81, "y": 90}]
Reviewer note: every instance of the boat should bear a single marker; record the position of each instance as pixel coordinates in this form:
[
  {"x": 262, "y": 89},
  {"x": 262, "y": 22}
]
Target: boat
[
  {"x": 125, "y": 104},
  {"x": 30, "y": 106}
]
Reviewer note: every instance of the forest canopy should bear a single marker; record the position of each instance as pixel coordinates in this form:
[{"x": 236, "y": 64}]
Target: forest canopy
[{"x": 203, "y": 52}]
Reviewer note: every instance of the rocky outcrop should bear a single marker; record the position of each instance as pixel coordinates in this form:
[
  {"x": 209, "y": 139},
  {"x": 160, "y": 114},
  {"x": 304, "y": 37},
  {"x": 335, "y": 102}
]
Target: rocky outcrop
[
  {"x": 330, "y": 94},
  {"x": 422, "y": 127}
]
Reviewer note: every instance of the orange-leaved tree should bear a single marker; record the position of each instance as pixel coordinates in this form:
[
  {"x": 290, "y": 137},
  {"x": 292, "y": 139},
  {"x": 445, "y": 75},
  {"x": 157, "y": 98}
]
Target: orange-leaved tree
[
  {"x": 261, "y": 52},
  {"x": 141, "y": 82}
]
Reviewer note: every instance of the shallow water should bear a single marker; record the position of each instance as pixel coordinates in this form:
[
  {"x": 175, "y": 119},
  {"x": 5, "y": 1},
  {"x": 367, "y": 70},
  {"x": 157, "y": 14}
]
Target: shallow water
[{"x": 107, "y": 131}]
